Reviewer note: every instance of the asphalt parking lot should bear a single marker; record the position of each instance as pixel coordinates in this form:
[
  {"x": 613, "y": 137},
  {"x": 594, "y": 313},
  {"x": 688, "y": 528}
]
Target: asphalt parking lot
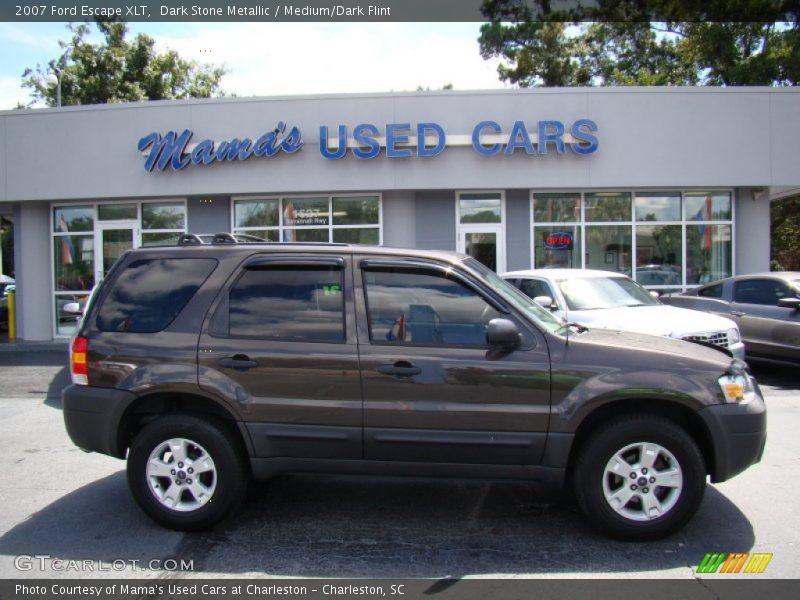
[{"x": 73, "y": 507}]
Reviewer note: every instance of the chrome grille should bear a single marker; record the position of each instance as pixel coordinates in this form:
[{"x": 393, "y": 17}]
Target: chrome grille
[{"x": 717, "y": 338}]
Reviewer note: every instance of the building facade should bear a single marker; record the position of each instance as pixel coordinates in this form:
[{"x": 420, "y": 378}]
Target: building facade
[{"x": 668, "y": 185}]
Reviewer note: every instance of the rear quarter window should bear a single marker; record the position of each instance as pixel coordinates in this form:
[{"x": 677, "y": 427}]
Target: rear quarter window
[{"x": 150, "y": 293}]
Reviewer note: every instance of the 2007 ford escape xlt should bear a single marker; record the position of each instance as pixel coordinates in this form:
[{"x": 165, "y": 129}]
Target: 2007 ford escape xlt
[{"x": 207, "y": 365}]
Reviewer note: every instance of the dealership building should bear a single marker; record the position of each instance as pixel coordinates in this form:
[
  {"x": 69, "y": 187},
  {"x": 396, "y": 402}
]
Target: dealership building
[{"x": 668, "y": 185}]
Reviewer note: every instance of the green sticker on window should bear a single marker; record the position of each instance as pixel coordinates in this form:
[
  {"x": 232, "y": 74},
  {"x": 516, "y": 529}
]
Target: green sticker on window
[{"x": 331, "y": 290}]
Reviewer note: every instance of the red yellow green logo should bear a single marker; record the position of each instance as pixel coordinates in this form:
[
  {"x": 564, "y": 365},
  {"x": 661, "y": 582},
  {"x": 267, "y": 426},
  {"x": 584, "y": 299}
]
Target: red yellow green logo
[{"x": 735, "y": 562}]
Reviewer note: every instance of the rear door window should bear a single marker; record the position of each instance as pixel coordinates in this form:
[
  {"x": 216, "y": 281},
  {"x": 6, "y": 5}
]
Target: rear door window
[
  {"x": 288, "y": 302},
  {"x": 150, "y": 293}
]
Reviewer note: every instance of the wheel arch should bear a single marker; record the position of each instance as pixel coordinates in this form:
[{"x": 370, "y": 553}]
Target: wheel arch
[
  {"x": 674, "y": 411},
  {"x": 147, "y": 408}
]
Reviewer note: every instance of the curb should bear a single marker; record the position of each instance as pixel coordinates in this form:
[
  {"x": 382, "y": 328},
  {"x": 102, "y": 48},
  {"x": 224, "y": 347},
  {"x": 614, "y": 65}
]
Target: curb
[{"x": 23, "y": 346}]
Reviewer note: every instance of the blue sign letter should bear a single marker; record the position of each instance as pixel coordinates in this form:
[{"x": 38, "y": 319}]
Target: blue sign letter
[
  {"x": 476, "y": 138},
  {"x": 579, "y": 132},
  {"x": 547, "y": 135},
  {"x": 436, "y": 149},
  {"x": 394, "y": 137},
  {"x": 364, "y": 135},
  {"x": 323, "y": 143},
  {"x": 519, "y": 138}
]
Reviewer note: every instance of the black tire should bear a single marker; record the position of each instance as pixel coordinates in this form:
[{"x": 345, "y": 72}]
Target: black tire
[
  {"x": 227, "y": 480},
  {"x": 625, "y": 432}
]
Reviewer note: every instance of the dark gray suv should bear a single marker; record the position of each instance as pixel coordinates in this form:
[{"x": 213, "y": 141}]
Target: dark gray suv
[{"x": 208, "y": 364}]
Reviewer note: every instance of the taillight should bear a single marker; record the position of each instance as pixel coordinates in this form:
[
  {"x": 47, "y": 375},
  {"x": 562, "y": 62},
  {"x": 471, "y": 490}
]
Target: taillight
[{"x": 77, "y": 360}]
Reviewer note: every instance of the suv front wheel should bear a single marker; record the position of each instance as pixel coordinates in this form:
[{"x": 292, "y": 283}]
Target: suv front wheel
[
  {"x": 639, "y": 477},
  {"x": 186, "y": 472}
]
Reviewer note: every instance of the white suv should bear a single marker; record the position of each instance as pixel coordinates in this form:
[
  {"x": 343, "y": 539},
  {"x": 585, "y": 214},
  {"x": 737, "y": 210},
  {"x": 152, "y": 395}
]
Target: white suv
[{"x": 614, "y": 301}]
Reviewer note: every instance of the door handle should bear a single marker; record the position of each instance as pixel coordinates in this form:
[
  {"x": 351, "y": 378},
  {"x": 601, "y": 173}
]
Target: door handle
[
  {"x": 402, "y": 368},
  {"x": 238, "y": 362},
  {"x": 738, "y": 313}
]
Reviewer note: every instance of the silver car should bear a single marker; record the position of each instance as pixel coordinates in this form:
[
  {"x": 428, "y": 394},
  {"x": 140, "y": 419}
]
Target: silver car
[
  {"x": 764, "y": 305},
  {"x": 614, "y": 301}
]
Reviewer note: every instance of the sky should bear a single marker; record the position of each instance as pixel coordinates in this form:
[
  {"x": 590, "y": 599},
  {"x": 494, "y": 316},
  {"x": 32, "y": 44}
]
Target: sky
[{"x": 270, "y": 59}]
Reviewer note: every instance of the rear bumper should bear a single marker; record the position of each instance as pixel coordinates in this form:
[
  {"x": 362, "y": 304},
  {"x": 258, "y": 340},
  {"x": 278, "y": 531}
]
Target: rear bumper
[
  {"x": 92, "y": 416},
  {"x": 738, "y": 433}
]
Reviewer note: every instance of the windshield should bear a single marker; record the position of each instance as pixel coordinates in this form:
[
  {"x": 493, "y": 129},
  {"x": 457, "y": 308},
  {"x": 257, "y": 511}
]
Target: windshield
[
  {"x": 514, "y": 296},
  {"x": 589, "y": 293}
]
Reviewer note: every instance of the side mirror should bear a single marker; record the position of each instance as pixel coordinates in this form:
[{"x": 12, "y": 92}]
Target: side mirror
[
  {"x": 502, "y": 332},
  {"x": 789, "y": 303},
  {"x": 72, "y": 308},
  {"x": 545, "y": 302},
  {"x": 655, "y": 294}
]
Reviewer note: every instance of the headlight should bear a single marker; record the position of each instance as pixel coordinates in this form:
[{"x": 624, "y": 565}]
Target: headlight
[
  {"x": 733, "y": 336},
  {"x": 736, "y": 384}
]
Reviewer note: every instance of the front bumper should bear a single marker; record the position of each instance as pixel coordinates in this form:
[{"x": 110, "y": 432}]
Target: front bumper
[
  {"x": 92, "y": 417},
  {"x": 738, "y": 433}
]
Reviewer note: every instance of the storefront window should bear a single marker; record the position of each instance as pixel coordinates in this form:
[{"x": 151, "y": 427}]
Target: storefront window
[
  {"x": 658, "y": 254},
  {"x": 707, "y": 206},
  {"x": 480, "y": 208},
  {"x": 666, "y": 240},
  {"x": 608, "y": 247},
  {"x": 658, "y": 206},
  {"x": 557, "y": 246},
  {"x": 73, "y": 218},
  {"x": 363, "y": 235},
  {"x": 360, "y": 210},
  {"x": 306, "y": 212},
  {"x": 557, "y": 208},
  {"x": 353, "y": 219},
  {"x": 709, "y": 249},
  {"x": 117, "y": 212},
  {"x": 256, "y": 213},
  {"x": 73, "y": 262},
  {"x": 170, "y": 215},
  {"x": 162, "y": 223},
  {"x": 607, "y": 207}
]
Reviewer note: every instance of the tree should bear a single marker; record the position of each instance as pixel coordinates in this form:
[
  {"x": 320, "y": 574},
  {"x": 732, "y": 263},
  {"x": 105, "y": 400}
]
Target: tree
[
  {"x": 119, "y": 70},
  {"x": 632, "y": 43},
  {"x": 785, "y": 233}
]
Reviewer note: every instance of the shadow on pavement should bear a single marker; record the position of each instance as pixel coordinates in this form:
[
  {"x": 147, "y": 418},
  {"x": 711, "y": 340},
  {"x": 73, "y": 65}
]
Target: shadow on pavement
[
  {"x": 357, "y": 527},
  {"x": 777, "y": 376}
]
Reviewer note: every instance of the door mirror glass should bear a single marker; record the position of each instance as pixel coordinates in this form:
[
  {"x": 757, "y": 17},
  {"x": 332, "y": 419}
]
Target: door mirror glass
[
  {"x": 545, "y": 302},
  {"x": 789, "y": 303},
  {"x": 502, "y": 332}
]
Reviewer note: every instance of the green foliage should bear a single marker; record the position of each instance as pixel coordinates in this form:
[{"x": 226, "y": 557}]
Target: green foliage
[
  {"x": 626, "y": 47},
  {"x": 7, "y": 241},
  {"x": 119, "y": 70},
  {"x": 786, "y": 234}
]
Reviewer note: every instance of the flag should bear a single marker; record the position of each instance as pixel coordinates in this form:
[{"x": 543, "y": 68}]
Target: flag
[
  {"x": 707, "y": 229},
  {"x": 288, "y": 219},
  {"x": 67, "y": 249}
]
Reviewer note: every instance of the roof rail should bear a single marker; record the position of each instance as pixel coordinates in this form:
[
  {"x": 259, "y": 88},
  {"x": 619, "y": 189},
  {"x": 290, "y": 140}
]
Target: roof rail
[
  {"x": 189, "y": 239},
  {"x": 194, "y": 239}
]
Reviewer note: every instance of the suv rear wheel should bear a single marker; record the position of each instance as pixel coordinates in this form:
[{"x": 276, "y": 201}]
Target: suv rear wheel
[
  {"x": 639, "y": 478},
  {"x": 186, "y": 472}
]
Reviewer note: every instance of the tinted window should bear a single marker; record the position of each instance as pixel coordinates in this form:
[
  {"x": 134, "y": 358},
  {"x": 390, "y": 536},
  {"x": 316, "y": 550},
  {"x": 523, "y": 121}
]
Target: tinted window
[
  {"x": 760, "y": 291},
  {"x": 288, "y": 303},
  {"x": 419, "y": 307},
  {"x": 535, "y": 287},
  {"x": 149, "y": 294},
  {"x": 712, "y": 291}
]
